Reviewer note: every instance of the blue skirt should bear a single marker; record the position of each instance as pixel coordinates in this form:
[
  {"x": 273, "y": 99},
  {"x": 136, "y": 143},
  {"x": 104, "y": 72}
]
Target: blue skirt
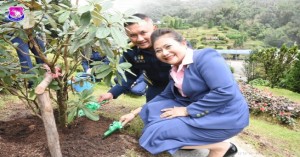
[{"x": 161, "y": 135}]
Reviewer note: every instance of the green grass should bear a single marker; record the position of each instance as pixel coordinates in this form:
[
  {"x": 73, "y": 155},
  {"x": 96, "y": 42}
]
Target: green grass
[
  {"x": 282, "y": 92},
  {"x": 127, "y": 103},
  {"x": 5, "y": 99},
  {"x": 283, "y": 141}
]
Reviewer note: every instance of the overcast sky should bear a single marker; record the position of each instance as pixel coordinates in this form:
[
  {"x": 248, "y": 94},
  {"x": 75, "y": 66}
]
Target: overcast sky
[{"x": 120, "y": 5}]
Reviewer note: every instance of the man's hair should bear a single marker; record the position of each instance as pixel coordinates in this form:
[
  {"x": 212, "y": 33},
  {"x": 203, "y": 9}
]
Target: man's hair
[{"x": 137, "y": 15}]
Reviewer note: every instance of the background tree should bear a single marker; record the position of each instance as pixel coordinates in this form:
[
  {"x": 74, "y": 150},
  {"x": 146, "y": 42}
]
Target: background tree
[{"x": 276, "y": 62}]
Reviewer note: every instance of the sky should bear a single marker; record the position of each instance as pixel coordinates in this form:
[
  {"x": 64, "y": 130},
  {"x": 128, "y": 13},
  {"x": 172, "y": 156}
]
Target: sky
[{"x": 120, "y": 5}]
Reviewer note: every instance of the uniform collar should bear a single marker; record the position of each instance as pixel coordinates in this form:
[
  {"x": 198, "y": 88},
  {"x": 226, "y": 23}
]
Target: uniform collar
[{"x": 188, "y": 59}]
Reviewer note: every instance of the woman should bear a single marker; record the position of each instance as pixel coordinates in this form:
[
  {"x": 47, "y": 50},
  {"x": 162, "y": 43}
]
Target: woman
[{"x": 200, "y": 108}]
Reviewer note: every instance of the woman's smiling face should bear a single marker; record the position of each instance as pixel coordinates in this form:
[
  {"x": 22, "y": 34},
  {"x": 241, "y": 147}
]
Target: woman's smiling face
[{"x": 170, "y": 51}]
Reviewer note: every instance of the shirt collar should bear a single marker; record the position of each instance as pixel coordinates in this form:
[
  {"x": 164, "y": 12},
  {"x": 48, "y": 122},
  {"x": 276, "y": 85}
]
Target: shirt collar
[{"x": 188, "y": 59}]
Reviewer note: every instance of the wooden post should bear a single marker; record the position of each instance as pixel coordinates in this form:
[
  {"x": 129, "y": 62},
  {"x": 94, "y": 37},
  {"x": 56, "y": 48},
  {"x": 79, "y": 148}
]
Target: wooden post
[{"x": 48, "y": 116}]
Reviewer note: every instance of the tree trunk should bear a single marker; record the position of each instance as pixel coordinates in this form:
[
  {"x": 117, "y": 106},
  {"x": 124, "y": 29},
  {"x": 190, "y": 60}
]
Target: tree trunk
[
  {"x": 62, "y": 105},
  {"x": 48, "y": 116}
]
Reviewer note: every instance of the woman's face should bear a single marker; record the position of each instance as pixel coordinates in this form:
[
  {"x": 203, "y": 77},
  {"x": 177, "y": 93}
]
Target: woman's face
[{"x": 170, "y": 51}]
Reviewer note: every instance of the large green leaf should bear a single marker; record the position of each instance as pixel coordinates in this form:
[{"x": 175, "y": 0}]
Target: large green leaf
[
  {"x": 64, "y": 16},
  {"x": 104, "y": 73},
  {"x": 106, "y": 49},
  {"x": 84, "y": 9},
  {"x": 102, "y": 32},
  {"x": 125, "y": 65},
  {"x": 76, "y": 19},
  {"x": 96, "y": 17},
  {"x": 28, "y": 21},
  {"x": 51, "y": 21},
  {"x": 72, "y": 114},
  {"x": 85, "y": 18},
  {"x": 118, "y": 36},
  {"x": 90, "y": 114}
]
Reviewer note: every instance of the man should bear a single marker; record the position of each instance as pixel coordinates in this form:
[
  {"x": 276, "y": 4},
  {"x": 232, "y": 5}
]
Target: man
[{"x": 143, "y": 60}]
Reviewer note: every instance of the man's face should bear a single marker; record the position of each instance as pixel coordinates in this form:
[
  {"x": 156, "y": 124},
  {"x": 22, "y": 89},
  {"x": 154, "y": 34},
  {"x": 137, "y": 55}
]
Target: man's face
[{"x": 139, "y": 34}]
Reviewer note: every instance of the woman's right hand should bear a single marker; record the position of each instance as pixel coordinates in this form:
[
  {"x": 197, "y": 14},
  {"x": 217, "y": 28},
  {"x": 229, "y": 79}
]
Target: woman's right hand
[{"x": 126, "y": 118}]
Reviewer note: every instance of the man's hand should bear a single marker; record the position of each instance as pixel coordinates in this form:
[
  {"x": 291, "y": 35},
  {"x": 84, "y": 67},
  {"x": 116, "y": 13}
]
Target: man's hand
[
  {"x": 106, "y": 96},
  {"x": 174, "y": 112},
  {"x": 126, "y": 118}
]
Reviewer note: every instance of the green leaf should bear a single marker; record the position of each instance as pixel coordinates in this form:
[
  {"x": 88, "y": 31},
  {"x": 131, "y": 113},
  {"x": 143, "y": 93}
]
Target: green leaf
[
  {"x": 27, "y": 76},
  {"x": 125, "y": 65},
  {"x": 76, "y": 19},
  {"x": 84, "y": 9},
  {"x": 72, "y": 114},
  {"x": 118, "y": 36},
  {"x": 103, "y": 73},
  {"x": 107, "y": 79},
  {"x": 51, "y": 21},
  {"x": 96, "y": 17},
  {"x": 29, "y": 21},
  {"x": 85, "y": 18},
  {"x": 102, "y": 68},
  {"x": 63, "y": 17},
  {"x": 106, "y": 49},
  {"x": 102, "y": 32},
  {"x": 90, "y": 114}
]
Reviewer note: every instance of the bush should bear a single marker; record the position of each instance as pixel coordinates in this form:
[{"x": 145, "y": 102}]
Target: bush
[
  {"x": 259, "y": 82},
  {"x": 278, "y": 108}
]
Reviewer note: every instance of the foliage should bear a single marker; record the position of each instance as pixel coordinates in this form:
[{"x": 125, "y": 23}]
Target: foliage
[
  {"x": 274, "y": 22},
  {"x": 74, "y": 106},
  {"x": 70, "y": 32},
  {"x": 292, "y": 80},
  {"x": 275, "y": 62},
  {"x": 259, "y": 82},
  {"x": 263, "y": 102}
]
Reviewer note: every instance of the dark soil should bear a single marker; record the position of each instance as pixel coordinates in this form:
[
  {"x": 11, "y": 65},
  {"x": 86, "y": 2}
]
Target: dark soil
[{"x": 23, "y": 135}]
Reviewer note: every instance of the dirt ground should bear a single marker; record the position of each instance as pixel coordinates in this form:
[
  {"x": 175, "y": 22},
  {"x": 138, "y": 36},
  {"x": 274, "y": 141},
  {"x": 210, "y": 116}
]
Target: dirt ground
[{"x": 23, "y": 135}]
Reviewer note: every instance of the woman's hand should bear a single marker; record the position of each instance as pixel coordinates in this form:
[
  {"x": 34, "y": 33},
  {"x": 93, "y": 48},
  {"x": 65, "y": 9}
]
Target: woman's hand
[
  {"x": 126, "y": 118},
  {"x": 174, "y": 112}
]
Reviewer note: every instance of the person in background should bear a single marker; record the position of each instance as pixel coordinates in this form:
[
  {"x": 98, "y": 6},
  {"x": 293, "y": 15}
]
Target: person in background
[
  {"x": 138, "y": 88},
  {"x": 23, "y": 49},
  {"x": 143, "y": 60},
  {"x": 202, "y": 100},
  {"x": 23, "y": 53}
]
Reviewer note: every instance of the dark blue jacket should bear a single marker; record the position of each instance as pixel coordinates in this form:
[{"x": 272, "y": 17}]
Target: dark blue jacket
[{"x": 157, "y": 73}]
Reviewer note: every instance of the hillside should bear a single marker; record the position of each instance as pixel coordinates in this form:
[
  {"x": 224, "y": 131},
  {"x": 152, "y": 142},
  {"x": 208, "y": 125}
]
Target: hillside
[{"x": 219, "y": 38}]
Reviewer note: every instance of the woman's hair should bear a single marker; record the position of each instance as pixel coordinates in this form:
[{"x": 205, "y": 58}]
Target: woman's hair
[{"x": 165, "y": 31}]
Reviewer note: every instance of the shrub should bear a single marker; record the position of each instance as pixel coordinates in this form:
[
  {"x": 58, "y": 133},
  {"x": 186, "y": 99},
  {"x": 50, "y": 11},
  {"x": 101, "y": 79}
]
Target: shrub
[
  {"x": 259, "y": 82},
  {"x": 263, "y": 102}
]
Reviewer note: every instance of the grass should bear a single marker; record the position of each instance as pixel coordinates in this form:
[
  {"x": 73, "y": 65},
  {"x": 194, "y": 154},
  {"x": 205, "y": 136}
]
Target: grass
[
  {"x": 283, "y": 141},
  {"x": 282, "y": 92},
  {"x": 127, "y": 102},
  {"x": 6, "y": 98}
]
